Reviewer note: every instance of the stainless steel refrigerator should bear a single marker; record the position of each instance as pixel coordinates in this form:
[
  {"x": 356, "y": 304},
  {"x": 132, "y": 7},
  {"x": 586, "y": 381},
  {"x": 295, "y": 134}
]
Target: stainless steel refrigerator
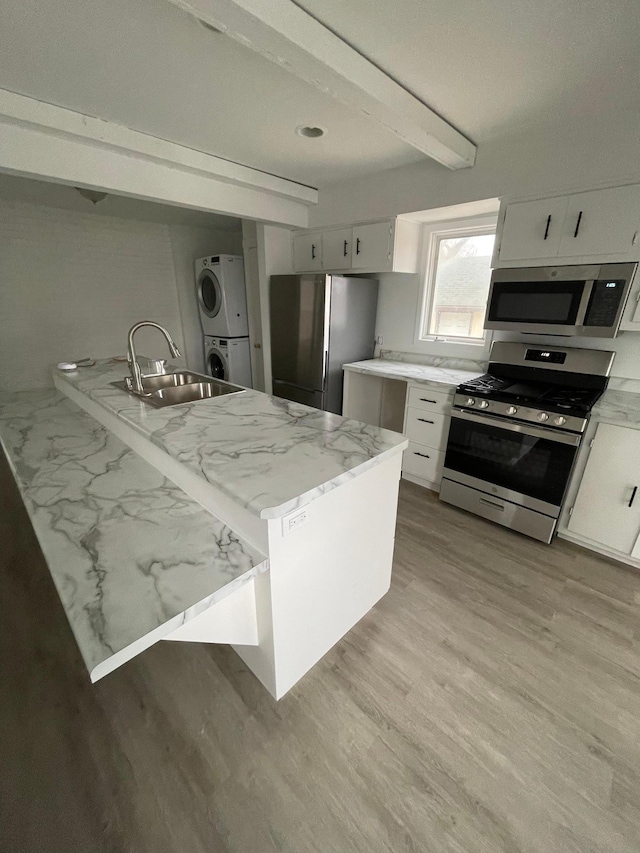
[{"x": 318, "y": 324}]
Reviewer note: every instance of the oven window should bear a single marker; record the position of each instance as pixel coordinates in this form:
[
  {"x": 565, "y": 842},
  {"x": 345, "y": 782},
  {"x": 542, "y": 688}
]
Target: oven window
[
  {"x": 536, "y": 467},
  {"x": 554, "y": 303}
]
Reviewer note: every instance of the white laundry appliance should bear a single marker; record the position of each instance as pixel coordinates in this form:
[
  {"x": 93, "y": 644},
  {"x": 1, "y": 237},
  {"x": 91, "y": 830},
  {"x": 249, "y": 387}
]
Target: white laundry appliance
[
  {"x": 221, "y": 296},
  {"x": 228, "y": 359}
]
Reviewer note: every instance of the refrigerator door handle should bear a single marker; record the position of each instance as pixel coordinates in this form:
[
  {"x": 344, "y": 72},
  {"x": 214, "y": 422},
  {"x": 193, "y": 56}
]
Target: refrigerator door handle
[{"x": 325, "y": 375}]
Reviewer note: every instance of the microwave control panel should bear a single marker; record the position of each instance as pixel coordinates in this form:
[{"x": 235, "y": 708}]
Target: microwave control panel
[{"x": 606, "y": 296}]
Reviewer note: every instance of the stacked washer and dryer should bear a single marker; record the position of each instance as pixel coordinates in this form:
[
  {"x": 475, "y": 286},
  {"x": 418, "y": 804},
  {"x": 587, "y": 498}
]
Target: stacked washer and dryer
[{"x": 222, "y": 302}]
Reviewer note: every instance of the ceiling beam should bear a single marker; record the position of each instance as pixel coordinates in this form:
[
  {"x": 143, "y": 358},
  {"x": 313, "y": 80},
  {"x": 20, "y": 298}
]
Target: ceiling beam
[
  {"x": 52, "y": 143},
  {"x": 284, "y": 33}
]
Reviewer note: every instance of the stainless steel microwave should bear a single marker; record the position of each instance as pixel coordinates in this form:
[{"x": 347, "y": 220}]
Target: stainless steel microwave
[{"x": 586, "y": 300}]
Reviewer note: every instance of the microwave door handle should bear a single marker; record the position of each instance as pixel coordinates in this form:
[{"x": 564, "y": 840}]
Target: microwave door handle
[{"x": 584, "y": 302}]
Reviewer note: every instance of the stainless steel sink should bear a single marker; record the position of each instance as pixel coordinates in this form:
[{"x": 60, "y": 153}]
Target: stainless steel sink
[{"x": 183, "y": 386}]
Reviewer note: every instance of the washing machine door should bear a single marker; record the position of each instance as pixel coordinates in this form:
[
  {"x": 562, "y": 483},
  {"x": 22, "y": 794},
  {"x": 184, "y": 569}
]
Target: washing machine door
[
  {"x": 209, "y": 293},
  {"x": 217, "y": 365}
]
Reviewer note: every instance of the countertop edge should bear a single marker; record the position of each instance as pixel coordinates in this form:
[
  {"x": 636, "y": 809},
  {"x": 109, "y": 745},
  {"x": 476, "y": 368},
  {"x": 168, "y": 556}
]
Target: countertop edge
[{"x": 306, "y": 498}]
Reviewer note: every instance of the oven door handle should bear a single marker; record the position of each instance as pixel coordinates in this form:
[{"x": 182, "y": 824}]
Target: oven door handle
[{"x": 524, "y": 429}]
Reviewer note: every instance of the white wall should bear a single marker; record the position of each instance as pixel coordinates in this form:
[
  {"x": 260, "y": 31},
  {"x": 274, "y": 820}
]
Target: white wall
[
  {"x": 187, "y": 244},
  {"x": 72, "y": 284},
  {"x": 274, "y": 258},
  {"x": 561, "y": 156},
  {"x": 399, "y": 301},
  {"x": 564, "y": 155}
]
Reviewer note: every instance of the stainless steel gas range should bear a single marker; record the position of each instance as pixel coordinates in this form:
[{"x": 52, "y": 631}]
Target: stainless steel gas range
[{"x": 515, "y": 433}]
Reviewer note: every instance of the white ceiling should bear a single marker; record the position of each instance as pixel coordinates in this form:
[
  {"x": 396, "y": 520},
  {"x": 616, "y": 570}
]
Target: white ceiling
[
  {"x": 150, "y": 66},
  {"x": 14, "y": 188},
  {"x": 486, "y": 67}
]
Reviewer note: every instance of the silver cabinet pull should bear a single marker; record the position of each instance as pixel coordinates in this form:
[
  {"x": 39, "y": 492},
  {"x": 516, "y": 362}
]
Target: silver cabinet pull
[
  {"x": 424, "y": 455},
  {"x": 425, "y": 421},
  {"x": 633, "y": 496}
]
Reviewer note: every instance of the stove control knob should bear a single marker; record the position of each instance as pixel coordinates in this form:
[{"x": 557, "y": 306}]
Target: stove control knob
[
  {"x": 511, "y": 410},
  {"x": 483, "y": 404},
  {"x": 470, "y": 401},
  {"x": 559, "y": 420},
  {"x": 543, "y": 416}
]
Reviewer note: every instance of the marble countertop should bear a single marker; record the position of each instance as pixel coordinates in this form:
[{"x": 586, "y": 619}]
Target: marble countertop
[
  {"x": 131, "y": 555},
  {"x": 620, "y": 407},
  {"x": 424, "y": 374},
  {"x": 268, "y": 454}
]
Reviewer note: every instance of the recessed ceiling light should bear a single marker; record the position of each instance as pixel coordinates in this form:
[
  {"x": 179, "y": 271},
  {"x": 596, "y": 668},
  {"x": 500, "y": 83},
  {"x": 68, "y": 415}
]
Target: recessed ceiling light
[{"x": 311, "y": 132}]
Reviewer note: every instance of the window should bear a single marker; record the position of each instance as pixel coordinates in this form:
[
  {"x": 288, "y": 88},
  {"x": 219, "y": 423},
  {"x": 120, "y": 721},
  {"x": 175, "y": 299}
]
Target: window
[{"x": 457, "y": 283}]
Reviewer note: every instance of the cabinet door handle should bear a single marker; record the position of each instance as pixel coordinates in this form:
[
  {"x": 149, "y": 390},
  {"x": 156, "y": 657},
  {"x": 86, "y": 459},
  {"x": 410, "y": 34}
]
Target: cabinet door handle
[
  {"x": 633, "y": 496},
  {"x": 344, "y": 249},
  {"x": 546, "y": 230},
  {"x": 313, "y": 252},
  {"x": 425, "y": 421},
  {"x": 575, "y": 233},
  {"x": 424, "y": 455},
  {"x": 357, "y": 245},
  {"x": 424, "y": 400}
]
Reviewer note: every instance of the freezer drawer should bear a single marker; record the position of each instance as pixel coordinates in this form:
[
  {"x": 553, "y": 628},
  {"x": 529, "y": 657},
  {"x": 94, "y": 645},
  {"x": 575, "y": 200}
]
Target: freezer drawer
[{"x": 298, "y": 395}]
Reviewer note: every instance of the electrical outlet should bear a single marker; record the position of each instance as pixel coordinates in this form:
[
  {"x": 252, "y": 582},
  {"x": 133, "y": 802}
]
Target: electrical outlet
[{"x": 295, "y": 520}]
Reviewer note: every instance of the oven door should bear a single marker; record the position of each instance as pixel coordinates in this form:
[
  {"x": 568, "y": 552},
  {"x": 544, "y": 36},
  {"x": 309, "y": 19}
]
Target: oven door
[{"x": 527, "y": 465}]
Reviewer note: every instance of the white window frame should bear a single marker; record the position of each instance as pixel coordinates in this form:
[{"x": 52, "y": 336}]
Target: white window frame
[{"x": 432, "y": 234}]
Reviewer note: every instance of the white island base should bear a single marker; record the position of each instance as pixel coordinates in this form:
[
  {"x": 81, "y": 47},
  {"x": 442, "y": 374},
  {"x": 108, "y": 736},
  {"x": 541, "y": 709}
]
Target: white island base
[
  {"x": 329, "y": 553},
  {"x": 323, "y": 577}
]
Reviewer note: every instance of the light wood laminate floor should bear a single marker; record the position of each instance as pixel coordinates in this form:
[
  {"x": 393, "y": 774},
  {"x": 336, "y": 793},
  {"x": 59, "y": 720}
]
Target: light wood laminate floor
[{"x": 490, "y": 702}]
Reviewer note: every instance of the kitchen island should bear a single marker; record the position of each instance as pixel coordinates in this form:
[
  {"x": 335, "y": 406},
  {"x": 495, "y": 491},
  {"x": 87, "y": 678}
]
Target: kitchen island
[{"x": 313, "y": 493}]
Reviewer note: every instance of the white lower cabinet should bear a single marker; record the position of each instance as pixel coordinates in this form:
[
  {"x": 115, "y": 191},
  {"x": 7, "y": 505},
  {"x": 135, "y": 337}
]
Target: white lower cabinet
[
  {"x": 607, "y": 507},
  {"x": 421, "y": 412},
  {"x": 426, "y": 425},
  {"x": 424, "y": 462}
]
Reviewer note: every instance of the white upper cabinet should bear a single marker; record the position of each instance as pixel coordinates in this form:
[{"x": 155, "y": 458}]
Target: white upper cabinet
[
  {"x": 602, "y": 222},
  {"x": 573, "y": 228},
  {"x": 372, "y": 246},
  {"x": 389, "y": 246},
  {"x": 336, "y": 249},
  {"x": 532, "y": 229},
  {"x": 307, "y": 252},
  {"x": 607, "y": 507}
]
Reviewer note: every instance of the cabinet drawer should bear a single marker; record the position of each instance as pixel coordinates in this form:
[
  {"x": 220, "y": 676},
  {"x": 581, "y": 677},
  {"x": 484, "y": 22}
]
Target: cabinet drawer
[
  {"x": 424, "y": 397},
  {"x": 424, "y": 462},
  {"x": 427, "y": 427}
]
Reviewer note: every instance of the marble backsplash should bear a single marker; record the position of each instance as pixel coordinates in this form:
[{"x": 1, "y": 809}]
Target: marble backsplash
[
  {"x": 619, "y": 383},
  {"x": 616, "y": 383},
  {"x": 434, "y": 360}
]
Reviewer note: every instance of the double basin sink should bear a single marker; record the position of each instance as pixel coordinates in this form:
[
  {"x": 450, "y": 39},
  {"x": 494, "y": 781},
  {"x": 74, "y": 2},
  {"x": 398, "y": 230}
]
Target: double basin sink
[{"x": 183, "y": 386}]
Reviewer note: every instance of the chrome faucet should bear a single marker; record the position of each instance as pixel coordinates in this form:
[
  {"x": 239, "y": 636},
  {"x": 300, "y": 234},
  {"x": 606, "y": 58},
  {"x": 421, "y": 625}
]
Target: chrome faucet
[{"x": 134, "y": 382}]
